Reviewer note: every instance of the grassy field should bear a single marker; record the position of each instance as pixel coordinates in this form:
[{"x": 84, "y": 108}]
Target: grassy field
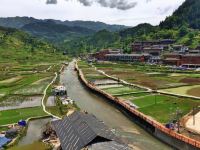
[
  {"x": 185, "y": 90},
  {"x": 133, "y": 96},
  {"x": 35, "y": 145},
  {"x": 152, "y": 76},
  {"x": 163, "y": 108},
  {"x": 121, "y": 90},
  {"x": 13, "y": 116}
]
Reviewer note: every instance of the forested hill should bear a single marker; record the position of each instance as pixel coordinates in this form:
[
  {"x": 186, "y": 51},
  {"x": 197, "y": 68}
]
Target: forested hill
[
  {"x": 19, "y": 22},
  {"x": 17, "y": 46},
  {"x": 56, "y": 33},
  {"x": 187, "y": 14}
]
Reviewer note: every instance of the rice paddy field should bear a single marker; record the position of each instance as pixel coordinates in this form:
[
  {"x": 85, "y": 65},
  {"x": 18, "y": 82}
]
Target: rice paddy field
[
  {"x": 121, "y": 90},
  {"x": 152, "y": 76},
  {"x": 162, "y": 108},
  {"x": 22, "y": 86},
  {"x": 14, "y": 115},
  {"x": 90, "y": 73},
  {"x": 185, "y": 90}
]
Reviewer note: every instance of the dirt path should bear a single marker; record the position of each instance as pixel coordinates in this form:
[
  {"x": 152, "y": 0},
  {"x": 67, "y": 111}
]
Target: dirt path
[
  {"x": 194, "y": 126},
  {"x": 45, "y": 93}
]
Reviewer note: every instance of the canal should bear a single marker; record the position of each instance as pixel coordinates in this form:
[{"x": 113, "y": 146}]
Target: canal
[{"x": 115, "y": 119}]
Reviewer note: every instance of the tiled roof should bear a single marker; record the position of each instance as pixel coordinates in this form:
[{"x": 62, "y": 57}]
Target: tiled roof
[{"x": 79, "y": 130}]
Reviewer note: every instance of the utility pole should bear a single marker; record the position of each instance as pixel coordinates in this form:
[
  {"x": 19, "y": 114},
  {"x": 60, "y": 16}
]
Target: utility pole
[
  {"x": 178, "y": 115},
  {"x": 193, "y": 116},
  {"x": 155, "y": 96}
]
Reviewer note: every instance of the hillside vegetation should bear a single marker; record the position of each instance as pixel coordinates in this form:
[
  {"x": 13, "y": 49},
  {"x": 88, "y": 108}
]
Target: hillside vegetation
[
  {"x": 19, "y": 47},
  {"x": 182, "y": 26},
  {"x": 188, "y": 14}
]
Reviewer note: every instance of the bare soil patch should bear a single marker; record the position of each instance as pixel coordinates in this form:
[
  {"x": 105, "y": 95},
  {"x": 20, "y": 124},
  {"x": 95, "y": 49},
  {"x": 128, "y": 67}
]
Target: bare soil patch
[
  {"x": 190, "y": 80},
  {"x": 194, "y": 92}
]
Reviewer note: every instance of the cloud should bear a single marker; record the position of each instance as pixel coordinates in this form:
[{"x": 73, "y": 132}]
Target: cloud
[
  {"x": 118, "y": 4},
  {"x": 51, "y": 2},
  {"x": 86, "y": 2},
  {"x": 165, "y": 10}
]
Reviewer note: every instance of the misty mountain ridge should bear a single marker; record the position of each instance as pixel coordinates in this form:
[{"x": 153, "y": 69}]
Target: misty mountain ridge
[{"x": 19, "y": 22}]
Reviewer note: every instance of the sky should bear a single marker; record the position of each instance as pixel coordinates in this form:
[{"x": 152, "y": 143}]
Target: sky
[{"x": 124, "y": 12}]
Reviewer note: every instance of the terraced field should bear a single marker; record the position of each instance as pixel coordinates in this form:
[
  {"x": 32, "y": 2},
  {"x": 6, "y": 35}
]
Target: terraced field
[
  {"x": 21, "y": 88},
  {"x": 121, "y": 90},
  {"x": 160, "y": 107},
  {"x": 186, "y": 90},
  {"x": 152, "y": 76},
  {"x": 13, "y": 116}
]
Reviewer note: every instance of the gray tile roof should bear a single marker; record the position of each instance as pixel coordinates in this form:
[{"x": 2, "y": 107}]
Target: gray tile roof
[{"x": 80, "y": 129}]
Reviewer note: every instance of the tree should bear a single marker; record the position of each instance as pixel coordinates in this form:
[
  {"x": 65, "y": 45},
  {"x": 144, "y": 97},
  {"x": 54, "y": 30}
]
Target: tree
[{"x": 183, "y": 31}]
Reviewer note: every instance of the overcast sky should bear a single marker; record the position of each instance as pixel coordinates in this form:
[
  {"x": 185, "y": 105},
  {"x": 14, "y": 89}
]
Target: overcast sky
[{"x": 126, "y": 12}]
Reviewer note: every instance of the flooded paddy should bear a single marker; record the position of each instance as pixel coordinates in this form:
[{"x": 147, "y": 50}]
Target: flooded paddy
[
  {"x": 17, "y": 102},
  {"x": 105, "y": 81},
  {"x": 51, "y": 101},
  {"x": 109, "y": 86}
]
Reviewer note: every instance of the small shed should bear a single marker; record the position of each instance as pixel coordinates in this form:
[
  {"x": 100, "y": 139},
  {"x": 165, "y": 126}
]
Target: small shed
[
  {"x": 4, "y": 141},
  {"x": 81, "y": 130},
  {"x": 59, "y": 91}
]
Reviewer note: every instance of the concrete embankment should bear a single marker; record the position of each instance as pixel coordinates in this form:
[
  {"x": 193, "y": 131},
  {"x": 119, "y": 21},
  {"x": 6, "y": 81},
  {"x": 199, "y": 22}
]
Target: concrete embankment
[{"x": 157, "y": 129}]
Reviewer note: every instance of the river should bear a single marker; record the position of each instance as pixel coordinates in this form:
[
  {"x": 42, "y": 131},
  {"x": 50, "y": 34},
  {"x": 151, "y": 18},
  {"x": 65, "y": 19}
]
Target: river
[{"x": 106, "y": 112}]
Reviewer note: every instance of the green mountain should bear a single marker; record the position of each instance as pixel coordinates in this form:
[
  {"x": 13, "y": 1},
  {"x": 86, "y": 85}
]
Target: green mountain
[
  {"x": 19, "y": 22},
  {"x": 96, "y": 26},
  {"x": 20, "y": 47},
  {"x": 138, "y": 30},
  {"x": 56, "y": 33},
  {"x": 187, "y": 14},
  {"x": 16, "y": 22},
  {"x": 99, "y": 40}
]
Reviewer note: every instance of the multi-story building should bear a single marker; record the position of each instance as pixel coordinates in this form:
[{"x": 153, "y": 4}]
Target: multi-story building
[
  {"x": 128, "y": 57},
  {"x": 138, "y": 46},
  {"x": 181, "y": 59},
  {"x": 101, "y": 55}
]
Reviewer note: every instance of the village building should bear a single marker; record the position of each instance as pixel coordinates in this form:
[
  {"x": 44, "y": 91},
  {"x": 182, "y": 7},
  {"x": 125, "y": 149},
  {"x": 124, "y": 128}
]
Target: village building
[
  {"x": 154, "y": 50},
  {"x": 101, "y": 55},
  {"x": 128, "y": 57},
  {"x": 181, "y": 49},
  {"x": 195, "y": 51},
  {"x": 181, "y": 59},
  {"x": 84, "y": 131},
  {"x": 138, "y": 46}
]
